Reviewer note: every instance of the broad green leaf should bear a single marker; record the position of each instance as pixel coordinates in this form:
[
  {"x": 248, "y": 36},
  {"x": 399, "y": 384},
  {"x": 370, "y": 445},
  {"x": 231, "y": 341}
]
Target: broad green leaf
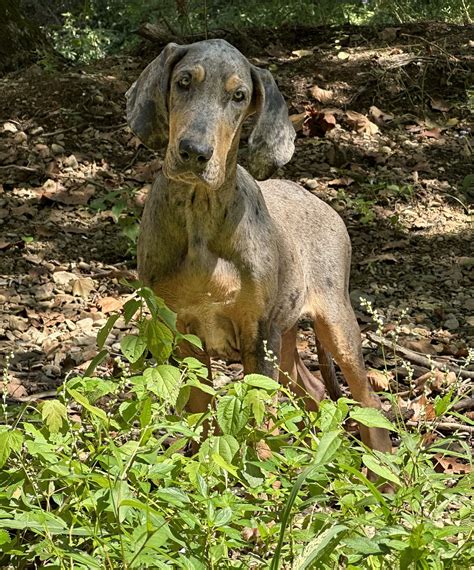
[
  {"x": 374, "y": 464},
  {"x": 370, "y": 417},
  {"x": 172, "y": 495},
  {"x": 130, "y": 308},
  {"x": 192, "y": 339},
  {"x": 263, "y": 382},
  {"x": 319, "y": 547},
  {"x": 133, "y": 347},
  {"x": 256, "y": 400},
  {"x": 224, "y": 445},
  {"x": 145, "y": 413},
  {"x": 105, "y": 330},
  {"x": 232, "y": 415},
  {"x": 4, "y": 537},
  {"x": 98, "y": 412},
  {"x": 164, "y": 382},
  {"x": 53, "y": 413},
  {"x": 328, "y": 445},
  {"x": 159, "y": 340},
  {"x": 222, "y": 463},
  {"x": 10, "y": 440}
]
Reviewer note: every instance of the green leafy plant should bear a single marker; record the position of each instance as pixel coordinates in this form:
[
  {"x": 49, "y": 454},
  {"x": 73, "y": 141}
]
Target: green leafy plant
[{"x": 108, "y": 474}]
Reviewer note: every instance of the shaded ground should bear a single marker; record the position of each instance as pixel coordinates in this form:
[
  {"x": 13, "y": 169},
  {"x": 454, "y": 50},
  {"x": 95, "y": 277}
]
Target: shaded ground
[{"x": 402, "y": 179}]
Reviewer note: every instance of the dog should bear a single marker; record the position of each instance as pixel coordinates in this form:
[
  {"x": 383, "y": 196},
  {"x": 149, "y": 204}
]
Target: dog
[{"x": 241, "y": 261}]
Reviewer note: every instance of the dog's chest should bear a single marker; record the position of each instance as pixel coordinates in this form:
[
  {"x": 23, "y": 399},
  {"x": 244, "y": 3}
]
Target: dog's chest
[{"x": 204, "y": 292}]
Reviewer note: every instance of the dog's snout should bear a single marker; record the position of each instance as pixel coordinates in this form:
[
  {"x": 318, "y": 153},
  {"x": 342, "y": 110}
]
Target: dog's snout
[{"x": 195, "y": 151}]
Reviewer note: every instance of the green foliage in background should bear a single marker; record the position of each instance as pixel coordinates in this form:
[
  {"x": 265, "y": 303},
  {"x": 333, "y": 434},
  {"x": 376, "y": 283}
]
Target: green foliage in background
[
  {"x": 88, "y": 30},
  {"x": 103, "y": 476}
]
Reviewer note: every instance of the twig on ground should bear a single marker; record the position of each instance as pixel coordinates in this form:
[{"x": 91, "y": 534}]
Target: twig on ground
[
  {"x": 446, "y": 426},
  {"x": 419, "y": 358}
]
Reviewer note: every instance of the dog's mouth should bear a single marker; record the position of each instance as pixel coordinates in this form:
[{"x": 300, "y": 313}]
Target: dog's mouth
[{"x": 209, "y": 175}]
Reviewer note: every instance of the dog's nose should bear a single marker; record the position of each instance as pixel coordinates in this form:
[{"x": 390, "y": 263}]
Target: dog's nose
[{"x": 191, "y": 150}]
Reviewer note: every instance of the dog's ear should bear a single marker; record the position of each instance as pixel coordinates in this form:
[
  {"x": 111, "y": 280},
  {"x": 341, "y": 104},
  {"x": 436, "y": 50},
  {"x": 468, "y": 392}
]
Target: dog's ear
[
  {"x": 271, "y": 143},
  {"x": 147, "y": 98}
]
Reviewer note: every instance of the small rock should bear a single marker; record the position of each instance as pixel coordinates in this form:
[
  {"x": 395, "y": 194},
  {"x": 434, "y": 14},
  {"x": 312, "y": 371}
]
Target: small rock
[
  {"x": 44, "y": 292},
  {"x": 20, "y": 137},
  {"x": 42, "y": 150},
  {"x": 9, "y": 128},
  {"x": 57, "y": 148},
  {"x": 71, "y": 161},
  {"x": 469, "y": 304},
  {"x": 312, "y": 184},
  {"x": 85, "y": 324},
  {"x": 63, "y": 278},
  {"x": 451, "y": 322},
  {"x": 37, "y": 131},
  {"x": 17, "y": 323}
]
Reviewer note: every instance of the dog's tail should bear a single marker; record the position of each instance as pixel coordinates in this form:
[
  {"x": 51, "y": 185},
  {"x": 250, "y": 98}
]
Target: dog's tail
[{"x": 326, "y": 366}]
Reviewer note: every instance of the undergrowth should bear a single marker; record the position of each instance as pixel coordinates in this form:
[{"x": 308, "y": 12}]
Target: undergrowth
[{"x": 103, "y": 476}]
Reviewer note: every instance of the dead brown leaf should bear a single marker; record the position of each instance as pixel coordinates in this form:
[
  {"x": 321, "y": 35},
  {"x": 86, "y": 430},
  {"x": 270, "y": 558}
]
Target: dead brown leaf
[
  {"x": 388, "y": 34},
  {"x": 297, "y": 121},
  {"x": 343, "y": 181},
  {"x": 15, "y": 389},
  {"x": 440, "y": 105},
  {"x": 110, "y": 304},
  {"x": 82, "y": 287},
  {"x": 422, "y": 409},
  {"x": 379, "y": 380},
  {"x": 318, "y": 123},
  {"x": 380, "y": 116},
  {"x": 56, "y": 192},
  {"x": 422, "y": 345},
  {"x": 434, "y": 133},
  {"x": 322, "y": 95},
  {"x": 376, "y": 258},
  {"x": 451, "y": 465},
  {"x": 361, "y": 123}
]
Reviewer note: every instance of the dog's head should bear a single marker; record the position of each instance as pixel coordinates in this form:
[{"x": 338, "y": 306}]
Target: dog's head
[{"x": 194, "y": 98}]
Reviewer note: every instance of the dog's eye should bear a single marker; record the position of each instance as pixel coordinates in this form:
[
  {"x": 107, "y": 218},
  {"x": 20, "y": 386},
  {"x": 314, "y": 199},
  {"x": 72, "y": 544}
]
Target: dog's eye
[
  {"x": 238, "y": 96},
  {"x": 184, "y": 81}
]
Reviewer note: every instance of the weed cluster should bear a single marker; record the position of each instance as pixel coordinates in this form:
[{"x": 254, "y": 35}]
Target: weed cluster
[{"x": 103, "y": 476}]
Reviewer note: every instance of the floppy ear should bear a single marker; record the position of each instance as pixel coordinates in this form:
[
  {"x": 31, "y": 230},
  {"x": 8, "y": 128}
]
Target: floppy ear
[
  {"x": 147, "y": 98},
  {"x": 271, "y": 142}
]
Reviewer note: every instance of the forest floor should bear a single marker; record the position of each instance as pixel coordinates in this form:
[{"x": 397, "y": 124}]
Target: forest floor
[{"x": 383, "y": 136}]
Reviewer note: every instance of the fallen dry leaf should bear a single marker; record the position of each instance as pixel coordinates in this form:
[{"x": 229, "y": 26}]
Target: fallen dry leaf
[
  {"x": 302, "y": 52},
  {"x": 422, "y": 409},
  {"x": 318, "y": 123},
  {"x": 322, "y": 95},
  {"x": 15, "y": 389},
  {"x": 434, "y": 133},
  {"x": 110, "y": 304},
  {"x": 379, "y": 116},
  {"x": 379, "y": 380},
  {"x": 297, "y": 121},
  {"x": 361, "y": 123},
  {"x": 388, "y": 34},
  {"x": 451, "y": 465},
  {"x": 440, "y": 105},
  {"x": 381, "y": 257},
  {"x": 56, "y": 192},
  {"x": 422, "y": 345},
  {"x": 82, "y": 287},
  {"x": 343, "y": 181}
]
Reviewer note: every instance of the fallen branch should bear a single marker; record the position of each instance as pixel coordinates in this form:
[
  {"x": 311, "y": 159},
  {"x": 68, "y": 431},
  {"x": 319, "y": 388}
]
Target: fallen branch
[
  {"x": 419, "y": 359},
  {"x": 463, "y": 405},
  {"x": 446, "y": 426}
]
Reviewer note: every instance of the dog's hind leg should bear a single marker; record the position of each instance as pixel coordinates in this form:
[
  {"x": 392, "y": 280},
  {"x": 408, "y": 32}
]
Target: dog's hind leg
[
  {"x": 293, "y": 370},
  {"x": 326, "y": 367},
  {"x": 338, "y": 332}
]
